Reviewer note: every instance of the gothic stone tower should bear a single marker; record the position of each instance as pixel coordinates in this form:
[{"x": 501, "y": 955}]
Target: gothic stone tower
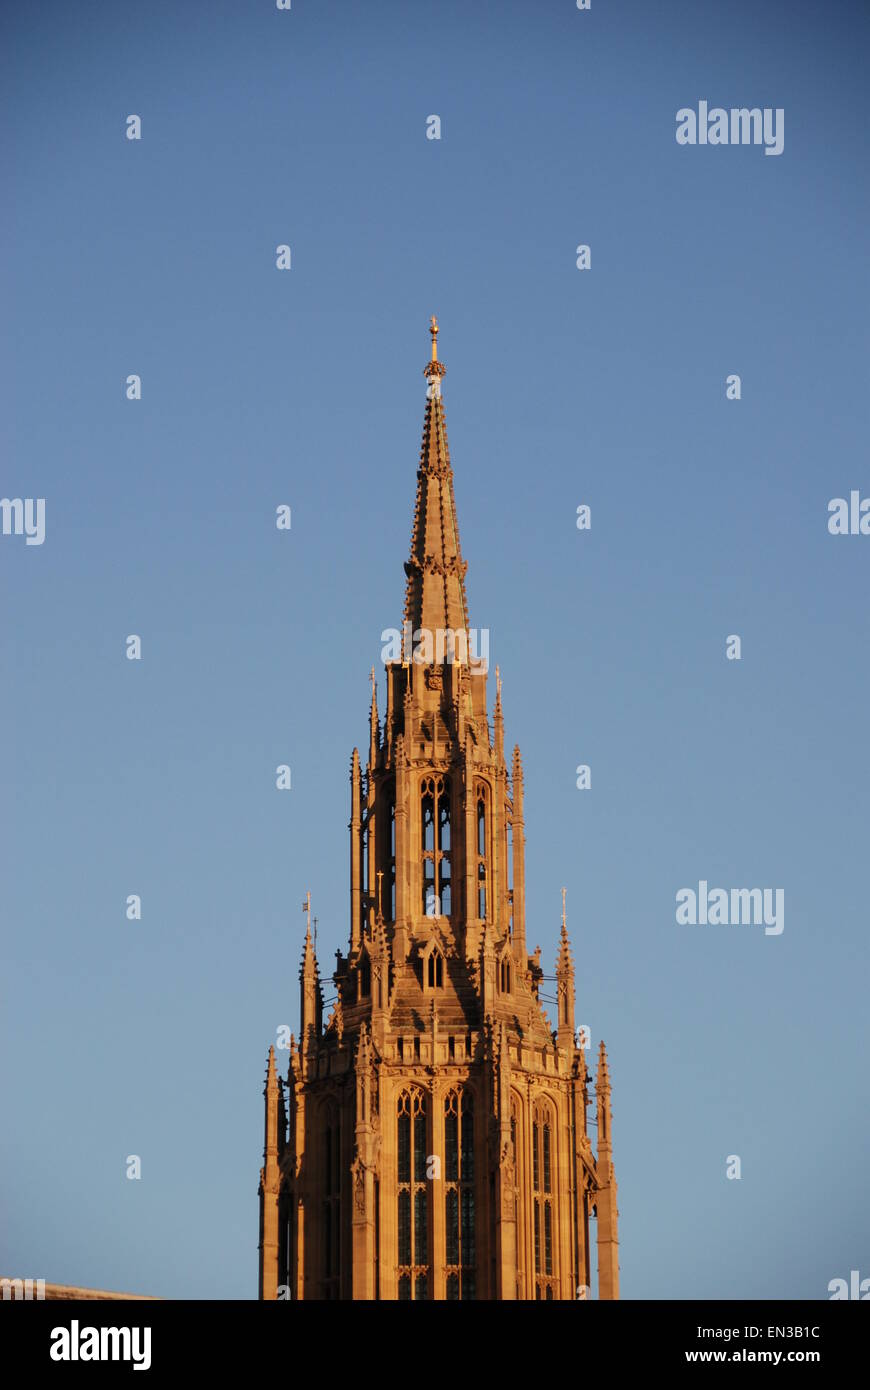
[{"x": 431, "y": 1141}]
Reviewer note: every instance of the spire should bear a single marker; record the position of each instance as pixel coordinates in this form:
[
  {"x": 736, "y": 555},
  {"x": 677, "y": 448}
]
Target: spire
[
  {"x": 356, "y": 885},
  {"x": 498, "y": 720},
  {"x": 311, "y": 1002},
  {"x": 435, "y": 592},
  {"x": 519, "y": 848},
  {"x": 308, "y": 969},
  {"x": 374, "y": 724},
  {"x": 564, "y": 961},
  {"x": 565, "y": 986},
  {"x": 602, "y": 1077}
]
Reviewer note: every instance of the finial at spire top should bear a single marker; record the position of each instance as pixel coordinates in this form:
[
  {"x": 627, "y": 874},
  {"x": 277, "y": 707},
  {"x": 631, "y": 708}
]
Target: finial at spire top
[
  {"x": 564, "y": 921},
  {"x": 434, "y": 369}
]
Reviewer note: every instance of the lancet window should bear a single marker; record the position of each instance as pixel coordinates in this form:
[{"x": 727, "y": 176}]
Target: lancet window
[
  {"x": 459, "y": 1204},
  {"x": 543, "y": 1163},
  {"x": 414, "y": 1272},
  {"x": 435, "y": 824}
]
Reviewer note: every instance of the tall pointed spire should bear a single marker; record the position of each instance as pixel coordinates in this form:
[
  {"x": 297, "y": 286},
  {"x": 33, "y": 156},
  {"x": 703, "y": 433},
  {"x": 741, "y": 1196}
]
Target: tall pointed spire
[
  {"x": 374, "y": 724},
  {"x": 356, "y": 883},
  {"x": 437, "y": 983},
  {"x": 602, "y": 1079},
  {"x": 565, "y": 985},
  {"x": 519, "y": 857},
  {"x": 311, "y": 1004},
  {"x": 564, "y": 944},
  {"x": 435, "y": 593}
]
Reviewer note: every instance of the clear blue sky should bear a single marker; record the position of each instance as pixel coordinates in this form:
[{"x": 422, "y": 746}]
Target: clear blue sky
[{"x": 605, "y": 387}]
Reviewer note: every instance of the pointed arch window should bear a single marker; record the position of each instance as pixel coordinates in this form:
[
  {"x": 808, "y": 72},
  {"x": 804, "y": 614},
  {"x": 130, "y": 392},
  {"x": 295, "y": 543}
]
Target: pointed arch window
[
  {"x": 435, "y": 970},
  {"x": 482, "y": 855},
  {"x": 519, "y": 1210},
  {"x": 285, "y": 1242},
  {"x": 365, "y": 976},
  {"x": 414, "y": 1189},
  {"x": 331, "y": 1170},
  {"x": 459, "y": 1196},
  {"x": 390, "y": 852},
  {"x": 435, "y": 848},
  {"x": 504, "y": 974},
  {"x": 542, "y": 1185}
]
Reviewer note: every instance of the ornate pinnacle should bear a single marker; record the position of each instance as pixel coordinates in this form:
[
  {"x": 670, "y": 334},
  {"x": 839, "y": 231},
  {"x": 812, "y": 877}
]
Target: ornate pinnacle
[
  {"x": 602, "y": 1079},
  {"x": 563, "y": 960}
]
